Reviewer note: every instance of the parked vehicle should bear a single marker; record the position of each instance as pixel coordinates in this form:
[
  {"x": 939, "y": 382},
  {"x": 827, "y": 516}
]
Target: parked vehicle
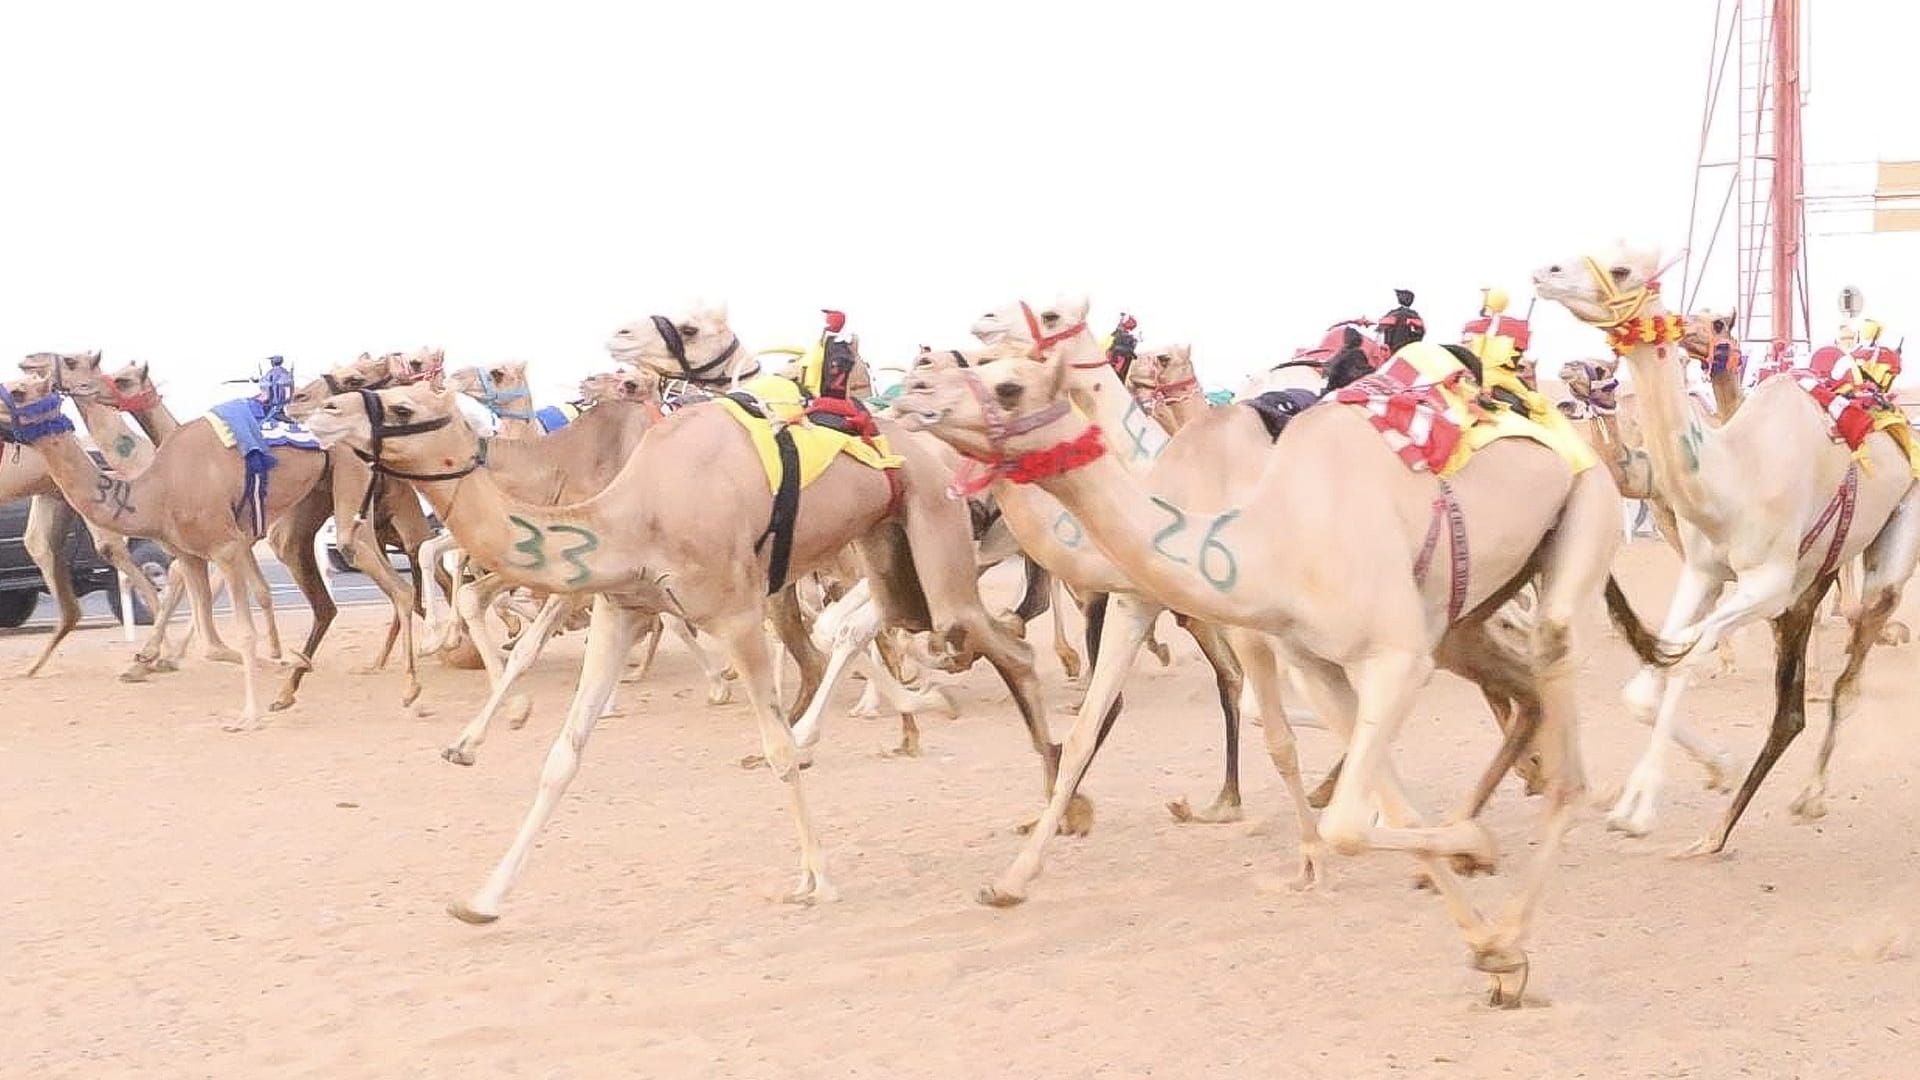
[
  {"x": 21, "y": 583},
  {"x": 342, "y": 563}
]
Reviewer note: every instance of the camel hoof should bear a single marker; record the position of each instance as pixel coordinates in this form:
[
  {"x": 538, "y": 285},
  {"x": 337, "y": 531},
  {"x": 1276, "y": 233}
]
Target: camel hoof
[
  {"x": 1810, "y": 806},
  {"x": 1699, "y": 849},
  {"x": 719, "y": 693},
  {"x": 1720, "y": 775},
  {"x": 281, "y": 705},
  {"x": 223, "y": 655},
  {"x": 457, "y": 755},
  {"x": 1631, "y": 824},
  {"x": 459, "y": 910},
  {"x": 908, "y": 748},
  {"x": 1469, "y": 864},
  {"x": 136, "y": 674},
  {"x": 1079, "y": 817},
  {"x": 1221, "y": 812},
  {"x": 812, "y": 889},
  {"x": 999, "y": 896},
  {"x": 518, "y": 709},
  {"x": 1070, "y": 663},
  {"x": 244, "y": 724},
  {"x": 1508, "y": 985},
  {"x": 1895, "y": 634},
  {"x": 411, "y": 695},
  {"x": 163, "y": 666}
]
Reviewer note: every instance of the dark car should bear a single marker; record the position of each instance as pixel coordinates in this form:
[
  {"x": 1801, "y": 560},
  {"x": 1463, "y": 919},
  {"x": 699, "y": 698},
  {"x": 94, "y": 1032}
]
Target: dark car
[{"x": 21, "y": 583}]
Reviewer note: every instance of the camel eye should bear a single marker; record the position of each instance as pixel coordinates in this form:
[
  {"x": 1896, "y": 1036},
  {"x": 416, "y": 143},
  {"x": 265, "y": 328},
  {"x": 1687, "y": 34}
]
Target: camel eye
[
  {"x": 1621, "y": 274},
  {"x": 1050, "y": 317},
  {"x": 689, "y": 332},
  {"x": 498, "y": 374},
  {"x": 404, "y": 412},
  {"x": 1008, "y": 393}
]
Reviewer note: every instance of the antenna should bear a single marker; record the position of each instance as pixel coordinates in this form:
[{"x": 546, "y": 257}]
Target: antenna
[{"x": 1851, "y": 302}]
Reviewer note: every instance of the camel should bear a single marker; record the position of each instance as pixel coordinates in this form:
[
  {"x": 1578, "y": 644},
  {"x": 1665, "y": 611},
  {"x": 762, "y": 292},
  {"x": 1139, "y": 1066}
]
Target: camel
[
  {"x": 186, "y": 500},
  {"x": 1163, "y": 379},
  {"x": 1363, "y": 642},
  {"x": 1767, "y": 501},
  {"x": 666, "y": 538}
]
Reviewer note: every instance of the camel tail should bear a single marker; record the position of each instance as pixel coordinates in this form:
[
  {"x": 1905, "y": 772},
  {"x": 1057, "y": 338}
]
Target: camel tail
[{"x": 1645, "y": 643}]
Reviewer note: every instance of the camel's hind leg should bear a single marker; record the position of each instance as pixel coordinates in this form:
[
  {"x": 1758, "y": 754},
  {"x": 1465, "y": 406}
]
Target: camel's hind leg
[
  {"x": 1228, "y": 678},
  {"x": 372, "y": 560},
  {"x": 292, "y": 538},
  {"x": 613, "y": 632},
  {"x": 525, "y": 652},
  {"x": 1888, "y": 563},
  {"x": 46, "y": 544},
  {"x": 436, "y": 552},
  {"x": 1062, "y": 645},
  {"x": 719, "y": 689},
  {"x": 791, "y": 624},
  {"x": 233, "y": 568},
  {"x": 1122, "y": 631},
  {"x": 1790, "y": 633}
]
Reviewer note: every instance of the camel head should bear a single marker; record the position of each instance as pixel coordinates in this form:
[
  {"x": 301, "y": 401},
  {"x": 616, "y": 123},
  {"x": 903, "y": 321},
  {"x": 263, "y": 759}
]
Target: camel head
[
  {"x": 1010, "y": 323},
  {"x": 638, "y": 385},
  {"x": 29, "y": 409},
  {"x": 1160, "y": 366},
  {"x": 501, "y": 387},
  {"x": 130, "y": 387},
  {"x": 364, "y": 372},
  {"x": 419, "y": 428},
  {"x": 73, "y": 374},
  {"x": 693, "y": 344},
  {"x": 1705, "y": 329},
  {"x": 1601, "y": 289},
  {"x": 421, "y": 365},
  {"x": 994, "y": 407}
]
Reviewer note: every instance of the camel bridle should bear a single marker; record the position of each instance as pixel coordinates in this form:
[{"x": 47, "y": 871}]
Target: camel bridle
[
  {"x": 1043, "y": 342},
  {"x": 495, "y": 398},
  {"x": 703, "y": 375}
]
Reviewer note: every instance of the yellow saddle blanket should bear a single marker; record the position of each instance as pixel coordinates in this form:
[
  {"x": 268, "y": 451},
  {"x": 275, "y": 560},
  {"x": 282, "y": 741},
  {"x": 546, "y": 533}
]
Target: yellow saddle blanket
[
  {"x": 817, "y": 444},
  {"x": 1427, "y": 404}
]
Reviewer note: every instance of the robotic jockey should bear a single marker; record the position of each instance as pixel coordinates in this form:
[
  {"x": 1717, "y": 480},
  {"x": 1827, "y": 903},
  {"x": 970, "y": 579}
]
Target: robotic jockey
[
  {"x": 827, "y": 369},
  {"x": 1501, "y": 343},
  {"x": 1876, "y": 363},
  {"x": 1402, "y": 326},
  {"x": 276, "y": 388},
  {"x": 1122, "y": 345}
]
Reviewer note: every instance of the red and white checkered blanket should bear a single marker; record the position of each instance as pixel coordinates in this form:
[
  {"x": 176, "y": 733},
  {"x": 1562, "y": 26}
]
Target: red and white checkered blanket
[{"x": 1411, "y": 411}]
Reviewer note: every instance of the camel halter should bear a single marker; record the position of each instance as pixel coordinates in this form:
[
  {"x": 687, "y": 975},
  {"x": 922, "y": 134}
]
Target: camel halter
[
  {"x": 494, "y": 398},
  {"x": 1624, "y": 324},
  {"x": 379, "y": 431},
  {"x": 148, "y": 397},
  {"x": 1021, "y": 468},
  {"x": 29, "y": 423},
  {"x": 1043, "y": 342},
  {"x": 702, "y": 375}
]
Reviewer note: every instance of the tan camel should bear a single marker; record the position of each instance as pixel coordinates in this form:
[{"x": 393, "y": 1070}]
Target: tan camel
[
  {"x": 666, "y": 538},
  {"x": 1363, "y": 641},
  {"x": 78, "y": 375},
  {"x": 1163, "y": 379},
  {"x": 186, "y": 500},
  {"x": 502, "y": 388},
  {"x": 1767, "y": 501}
]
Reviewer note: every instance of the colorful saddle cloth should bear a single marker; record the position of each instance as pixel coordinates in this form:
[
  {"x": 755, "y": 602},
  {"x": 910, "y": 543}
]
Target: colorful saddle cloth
[
  {"x": 783, "y": 409},
  {"x": 552, "y": 418},
  {"x": 1430, "y": 410},
  {"x": 242, "y": 424},
  {"x": 1856, "y": 409}
]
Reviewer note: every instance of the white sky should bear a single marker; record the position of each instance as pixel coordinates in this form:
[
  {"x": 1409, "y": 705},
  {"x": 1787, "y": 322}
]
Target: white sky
[{"x": 200, "y": 185}]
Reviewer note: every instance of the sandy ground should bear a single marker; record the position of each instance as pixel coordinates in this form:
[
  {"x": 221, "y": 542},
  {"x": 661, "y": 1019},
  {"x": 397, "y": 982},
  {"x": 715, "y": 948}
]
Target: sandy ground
[{"x": 179, "y": 901}]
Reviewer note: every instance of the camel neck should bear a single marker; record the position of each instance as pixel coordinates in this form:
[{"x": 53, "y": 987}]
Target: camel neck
[
  {"x": 125, "y": 454},
  {"x": 1135, "y": 438},
  {"x": 127, "y": 506},
  {"x": 157, "y": 421},
  {"x": 554, "y": 548},
  {"x": 1190, "y": 562},
  {"x": 1727, "y": 393},
  {"x": 1187, "y": 406},
  {"x": 1679, "y": 446}
]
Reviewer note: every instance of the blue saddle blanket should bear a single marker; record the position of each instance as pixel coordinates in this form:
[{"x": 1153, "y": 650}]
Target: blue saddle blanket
[{"x": 242, "y": 424}]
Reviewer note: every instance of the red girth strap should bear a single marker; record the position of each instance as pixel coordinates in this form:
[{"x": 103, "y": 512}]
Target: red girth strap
[
  {"x": 1445, "y": 506},
  {"x": 1841, "y": 504}
]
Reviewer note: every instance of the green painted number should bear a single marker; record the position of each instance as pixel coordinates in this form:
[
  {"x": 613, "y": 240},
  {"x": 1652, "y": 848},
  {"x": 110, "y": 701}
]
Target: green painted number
[
  {"x": 1174, "y": 528},
  {"x": 1211, "y": 544},
  {"x": 1068, "y": 531},
  {"x": 576, "y": 555},
  {"x": 534, "y": 547}
]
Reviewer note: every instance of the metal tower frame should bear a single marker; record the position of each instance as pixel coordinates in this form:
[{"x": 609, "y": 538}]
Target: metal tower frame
[{"x": 1754, "y": 167}]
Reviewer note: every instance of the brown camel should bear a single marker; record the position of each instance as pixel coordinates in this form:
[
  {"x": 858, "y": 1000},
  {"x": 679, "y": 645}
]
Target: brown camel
[
  {"x": 666, "y": 538},
  {"x": 503, "y": 390},
  {"x": 187, "y": 500},
  {"x": 1363, "y": 642},
  {"x": 1769, "y": 502},
  {"x": 1163, "y": 380}
]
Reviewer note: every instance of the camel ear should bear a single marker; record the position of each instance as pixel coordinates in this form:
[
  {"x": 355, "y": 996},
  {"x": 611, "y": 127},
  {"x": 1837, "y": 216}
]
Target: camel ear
[
  {"x": 517, "y": 367},
  {"x": 1073, "y": 307},
  {"x": 1184, "y": 352}
]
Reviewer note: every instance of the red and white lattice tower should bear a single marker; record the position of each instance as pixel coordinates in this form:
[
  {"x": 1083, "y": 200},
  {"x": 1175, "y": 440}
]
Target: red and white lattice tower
[{"x": 1752, "y": 168}]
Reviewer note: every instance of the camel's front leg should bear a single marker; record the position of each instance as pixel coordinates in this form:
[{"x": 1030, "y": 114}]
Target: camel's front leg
[
  {"x": 613, "y": 632},
  {"x": 1229, "y": 681},
  {"x": 201, "y": 596},
  {"x": 1261, "y": 665},
  {"x": 46, "y": 544},
  {"x": 1062, "y": 646},
  {"x": 1123, "y": 630},
  {"x": 525, "y": 652},
  {"x": 747, "y": 646},
  {"x": 1653, "y": 697},
  {"x": 443, "y": 552}
]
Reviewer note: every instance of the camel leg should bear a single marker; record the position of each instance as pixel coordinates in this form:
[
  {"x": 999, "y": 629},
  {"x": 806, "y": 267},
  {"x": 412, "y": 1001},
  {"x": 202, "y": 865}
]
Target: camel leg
[
  {"x": 1257, "y": 658},
  {"x": 1228, "y": 680},
  {"x": 292, "y": 539},
  {"x": 719, "y": 689},
  {"x": 1888, "y": 563},
  {"x": 438, "y": 616},
  {"x": 525, "y": 652},
  {"x": 1122, "y": 633},
  {"x": 791, "y": 625},
  {"x": 46, "y": 544},
  {"x": 1790, "y": 633},
  {"x": 201, "y": 596},
  {"x": 613, "y": 632},
  {"x": 373, "y": 562},
  {"x": 152, "y": 656},
  {"x": 1062, "y": 646},
  {"x": 472, "y": 601},
  {"x": 234, "y": 571},
  {"x": 1648, "y": 697}
]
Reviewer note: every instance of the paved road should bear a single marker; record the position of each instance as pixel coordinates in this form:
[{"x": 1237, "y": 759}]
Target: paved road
[{"x": 349, "y": 589}]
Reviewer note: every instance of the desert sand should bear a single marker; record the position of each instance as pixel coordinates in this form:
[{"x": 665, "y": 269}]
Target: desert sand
[{"x": 178, "y": 901}]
